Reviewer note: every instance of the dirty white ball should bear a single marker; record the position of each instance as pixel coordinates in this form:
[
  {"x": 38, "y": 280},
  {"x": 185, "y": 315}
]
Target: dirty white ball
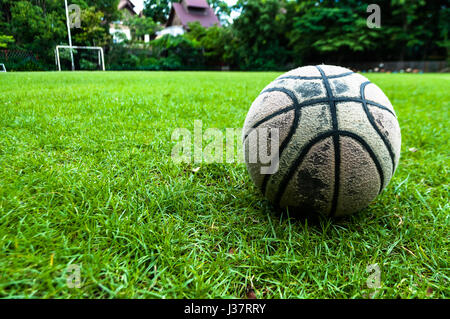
[{"x": 339, "y": 140}]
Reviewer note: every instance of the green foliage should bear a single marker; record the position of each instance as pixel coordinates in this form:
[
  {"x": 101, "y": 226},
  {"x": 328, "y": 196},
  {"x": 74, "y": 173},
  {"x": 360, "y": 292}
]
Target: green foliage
[
  {"x": 324, "y": 29},
  {"x": 120, "y": 57},
  {"x": 177, "y": 52},
  {"x": 165, "y": 53},
  {"x": 273, "y": 34},
  {"x": 38, "y": 26},
  {"x": 36, "y": 30},
  {"x": 214, "y": 42},
  {"x": 260, "y": 34},
  {"x": 91, "y": 33},
  {"x": 107, "y": 7},
  {"x": 444, "y": 27},
  {"x": 268, "y": 34},
  {"x": 157, "y": 10},
  {"x": 221, "y": 9},
  {"x": 5, "y": 39},
  {"x": 24, "y": 64},
  {"x": 140, "y": 26}
]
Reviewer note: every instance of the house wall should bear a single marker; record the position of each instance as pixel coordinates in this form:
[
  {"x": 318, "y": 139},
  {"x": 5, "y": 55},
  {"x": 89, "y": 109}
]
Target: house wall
[
  {"x": 176, "y": 20},
  {"x": 174, "y": 30},
  {"x": 114, "y": 29},
  {"x": 118, "y": 26}
]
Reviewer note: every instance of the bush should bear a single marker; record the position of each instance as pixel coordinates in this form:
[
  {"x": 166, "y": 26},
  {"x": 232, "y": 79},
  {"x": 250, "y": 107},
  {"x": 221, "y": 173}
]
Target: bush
[{"x": 166, "y": 53}]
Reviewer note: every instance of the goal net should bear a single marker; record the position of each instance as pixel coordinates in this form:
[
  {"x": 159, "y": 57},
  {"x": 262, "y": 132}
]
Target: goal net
[
  {"x": 79, "y": 58},
  {"x": 2, "y": 67}
]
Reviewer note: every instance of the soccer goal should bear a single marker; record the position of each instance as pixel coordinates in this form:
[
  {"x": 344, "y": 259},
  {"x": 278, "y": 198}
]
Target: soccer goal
[
  {"x": 100, "y": 58},
  {"x": 2, "y": 67},
  {"x": 82, "y": 58}
]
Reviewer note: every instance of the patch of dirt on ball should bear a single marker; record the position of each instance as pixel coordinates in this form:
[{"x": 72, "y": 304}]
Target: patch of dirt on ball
[
  {"x": 311, "y": 187},
  {"x": 340, "y": 87},
  {"x": 309, "y": 89},
  {"x": 388, "y": 126},
  {"x": 359, "y": 177}
]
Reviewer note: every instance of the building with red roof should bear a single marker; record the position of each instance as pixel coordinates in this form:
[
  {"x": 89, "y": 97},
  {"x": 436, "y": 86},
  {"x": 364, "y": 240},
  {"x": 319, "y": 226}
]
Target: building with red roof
[
  {"x": 127, "y": 6},
  {"x": 117, "y": 29},
  {"x": 188, "y": 11},
  {"x": 191, "y": 11}
]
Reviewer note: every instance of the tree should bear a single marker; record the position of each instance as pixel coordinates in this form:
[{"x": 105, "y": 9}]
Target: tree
[
  {"x": 444, "y": 28},
  {"x": 107, "y": 7},
  {"x": 260, "y": 34},
  {"x": 214, "y": 42},
  {"x": 331, "y": 30},
  {"x": 5, "y": 39},
  {"x": 91, "y": 32},
  {"x": 177, "y": 52},
  {"x": 38, "y": 26},
  {"x": 96, "y": 16},
  {"x": 157, "y": 10},
  {"x": 140, "y": 26},
  {"x": 221, "y": 9},
  {"x": 415, "y": 28},
  {"x": 268, "y": 34},
  {"x": 35, "y": 29},
  {"x": 405, "y": 28}
]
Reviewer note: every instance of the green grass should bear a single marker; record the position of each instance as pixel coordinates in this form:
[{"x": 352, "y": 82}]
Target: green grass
[{"x": 86, "y": 178}]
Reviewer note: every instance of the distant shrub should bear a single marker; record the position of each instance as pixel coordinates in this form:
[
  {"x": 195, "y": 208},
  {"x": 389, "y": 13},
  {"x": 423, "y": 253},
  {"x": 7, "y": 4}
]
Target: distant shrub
[{"x": 166, "y": 53}]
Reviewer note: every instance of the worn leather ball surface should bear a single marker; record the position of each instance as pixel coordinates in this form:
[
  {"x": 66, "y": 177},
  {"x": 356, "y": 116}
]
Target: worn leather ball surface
[{"x": 339, "y": 140}]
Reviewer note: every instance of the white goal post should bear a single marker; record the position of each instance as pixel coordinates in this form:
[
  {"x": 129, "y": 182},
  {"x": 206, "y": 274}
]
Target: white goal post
[
  {"x": 2, "y": 67},
  {"x": 101, "y": 57}
]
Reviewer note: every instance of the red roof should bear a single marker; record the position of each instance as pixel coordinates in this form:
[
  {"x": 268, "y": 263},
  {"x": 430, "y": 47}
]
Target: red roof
[
  {"x": 197, "y": 3},
  {"x": 207, "y": 20},
  {"x": 127, "y": 4}
]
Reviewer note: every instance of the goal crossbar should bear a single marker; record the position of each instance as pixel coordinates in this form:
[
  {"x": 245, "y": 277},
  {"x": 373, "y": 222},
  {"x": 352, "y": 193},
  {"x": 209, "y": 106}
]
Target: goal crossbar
[{"x": 101, "y": 56}]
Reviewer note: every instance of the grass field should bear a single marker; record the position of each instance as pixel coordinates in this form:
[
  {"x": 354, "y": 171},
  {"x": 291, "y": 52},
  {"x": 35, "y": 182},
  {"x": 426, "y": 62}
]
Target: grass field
[{"x": 86, "y": 178}]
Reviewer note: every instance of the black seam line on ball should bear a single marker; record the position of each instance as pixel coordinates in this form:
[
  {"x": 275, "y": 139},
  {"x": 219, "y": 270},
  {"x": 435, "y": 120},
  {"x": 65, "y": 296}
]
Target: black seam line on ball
[
  {"x": 336, "y": 144},
  {"x": 267, "y": 118},
  {"x": 375, "y": 126},
  {"x": 285, "y": 110},
  {"x": 295, "y": 77},
  {"x": 310, "y": 103},
  {"x": 330, "y": 98},
  {"x": 298, "y": 161},
  {"x": 335, "y": 98},
  {"x": 288, "y": 138},
  {"x": 292, "y": 97},
  {"x": 369, "y": 102},
  {"x": 369, "y": 150}
]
